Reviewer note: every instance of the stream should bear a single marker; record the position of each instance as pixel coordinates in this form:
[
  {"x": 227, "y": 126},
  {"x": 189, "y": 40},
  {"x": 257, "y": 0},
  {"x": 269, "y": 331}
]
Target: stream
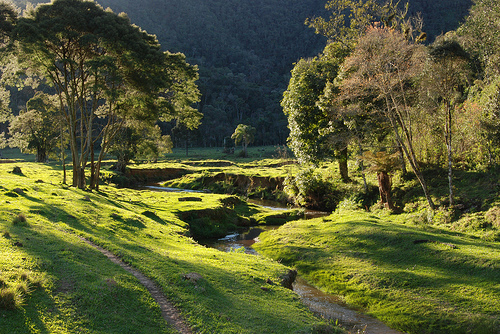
[{"x": 322, "y": 304}]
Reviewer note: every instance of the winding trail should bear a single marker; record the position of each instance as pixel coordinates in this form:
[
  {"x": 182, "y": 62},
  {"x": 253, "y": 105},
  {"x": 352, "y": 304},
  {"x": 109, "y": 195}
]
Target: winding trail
[{"x": 171, "y": 315}]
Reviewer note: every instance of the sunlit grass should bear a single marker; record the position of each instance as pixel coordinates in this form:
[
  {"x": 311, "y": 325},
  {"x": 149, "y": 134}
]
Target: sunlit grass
[
  {"x": 63, "y": 285},
  {"x": 374, "y": 264}
]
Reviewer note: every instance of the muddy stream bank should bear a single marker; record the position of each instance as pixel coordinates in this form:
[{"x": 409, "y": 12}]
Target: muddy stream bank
[{"x": 322, "y": 304}]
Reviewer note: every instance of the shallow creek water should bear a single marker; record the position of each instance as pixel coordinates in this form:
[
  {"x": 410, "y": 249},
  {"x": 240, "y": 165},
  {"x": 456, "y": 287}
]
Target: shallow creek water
[{"x": 323, "y": 304}]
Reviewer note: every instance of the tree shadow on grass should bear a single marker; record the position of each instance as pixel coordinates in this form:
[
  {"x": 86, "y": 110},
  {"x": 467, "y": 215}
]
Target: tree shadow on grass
[
  {"x": 443, "y": 268},
  {"x": 86, "y": 291}
]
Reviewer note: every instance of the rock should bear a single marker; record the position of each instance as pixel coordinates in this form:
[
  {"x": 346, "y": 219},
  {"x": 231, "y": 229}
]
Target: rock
[
  {"x": 192, "y": 277},
  {"x": 17, "y": 170},
  {"x": 18, "y": 191},
  {"x": 288, "y": 279}
]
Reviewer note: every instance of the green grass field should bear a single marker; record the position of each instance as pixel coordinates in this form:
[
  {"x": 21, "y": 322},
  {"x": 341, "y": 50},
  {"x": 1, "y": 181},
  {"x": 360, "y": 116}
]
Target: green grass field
[{"x": 418, "y": 271}]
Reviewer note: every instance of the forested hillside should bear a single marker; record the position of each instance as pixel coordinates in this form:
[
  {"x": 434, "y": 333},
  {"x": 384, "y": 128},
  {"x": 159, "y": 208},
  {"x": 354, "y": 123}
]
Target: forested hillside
[{"x": 245, "y": 51}]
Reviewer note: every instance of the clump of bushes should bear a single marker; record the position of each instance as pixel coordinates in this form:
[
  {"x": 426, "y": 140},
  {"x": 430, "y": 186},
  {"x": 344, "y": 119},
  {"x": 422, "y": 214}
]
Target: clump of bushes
[
  {"x": 17, "y": 170},
  {"x": 308, "y": 189},
  {"x": 315, "y": 190},
  {"x": 492, "y": 216}
]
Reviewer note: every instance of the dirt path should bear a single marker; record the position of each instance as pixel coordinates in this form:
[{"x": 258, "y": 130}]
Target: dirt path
[{"x": 169, "y": 312}]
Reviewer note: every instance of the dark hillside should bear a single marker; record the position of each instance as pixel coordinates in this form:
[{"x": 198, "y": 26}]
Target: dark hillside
[
  {"x": 441, "y": 16},
  {"x": 245, "y": 51}
]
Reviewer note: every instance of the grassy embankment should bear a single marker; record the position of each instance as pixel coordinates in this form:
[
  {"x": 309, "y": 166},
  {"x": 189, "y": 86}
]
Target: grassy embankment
[
  {"x": 417, "y": 279},
  {"x": 418, "y": 271},
  {"x": 258, "y": 176},
  {"x": 53, "y": 282}
]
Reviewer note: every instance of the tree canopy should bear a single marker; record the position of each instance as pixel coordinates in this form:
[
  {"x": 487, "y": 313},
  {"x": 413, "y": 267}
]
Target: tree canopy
[
  {"x": 244, "y": 134},
  {"x": 105, "y": 70}
]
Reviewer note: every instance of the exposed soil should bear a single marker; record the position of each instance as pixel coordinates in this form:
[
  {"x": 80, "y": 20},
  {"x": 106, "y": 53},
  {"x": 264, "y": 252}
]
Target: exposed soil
[
  {"x": 168, "y": 310},
  {"x": 142, "y": 175}
]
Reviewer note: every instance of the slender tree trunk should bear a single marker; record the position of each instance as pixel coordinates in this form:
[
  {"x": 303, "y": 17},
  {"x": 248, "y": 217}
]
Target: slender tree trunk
[
  {"x": 343, "y": 168},
  {"x": 362, "y": 167},
  {"x": 450, "y": 152},
  {"x": 402, "y": 158},
  {"x": 407, "y": 148},
  {"x": 92, "y": 169},
  {"x": 63, "y": 159}
]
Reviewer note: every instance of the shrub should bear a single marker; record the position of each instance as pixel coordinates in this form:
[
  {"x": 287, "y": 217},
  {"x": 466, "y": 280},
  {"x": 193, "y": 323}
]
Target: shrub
[
  {"x": 310, "y": 190},
  {"x": 17, "y": 170},
  {"x": 493, "y": 216}
]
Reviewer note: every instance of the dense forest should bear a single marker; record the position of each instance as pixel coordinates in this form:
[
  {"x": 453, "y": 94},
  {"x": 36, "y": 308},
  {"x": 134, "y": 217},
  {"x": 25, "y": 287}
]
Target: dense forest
[{"x": 245, "y": 51}]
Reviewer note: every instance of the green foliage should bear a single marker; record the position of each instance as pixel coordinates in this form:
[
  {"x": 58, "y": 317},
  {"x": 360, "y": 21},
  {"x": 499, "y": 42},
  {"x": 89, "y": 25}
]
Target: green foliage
[
  {"x": 312, "y": 190},
  {"x": 481, "y": 35},
  {"x": 309, "y": 139},
  {"x": 38, "y": 128},
  {"x": 245, "y": 53},
  {"x": 348, "y": 20},
  {"x": 139, "y": 141},
  {"x": 244, "y": 134},
  {"x": 104, "y": 67}
]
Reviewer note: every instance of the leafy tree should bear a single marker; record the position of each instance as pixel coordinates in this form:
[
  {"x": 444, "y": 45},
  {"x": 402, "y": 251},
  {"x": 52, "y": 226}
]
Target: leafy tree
[
  {"x": 349, "y": 20},
  {"x": 8, "y": 20},
  {"x": 317, "y": 127},
  {"x": 245, "y": 134},
  {"x": 315, "y": 133},
  {"x": 482, "y": 35},
  {"x": 384, "y": 64},
  {"x": 139, "y": 141},
  {"x": 36, "y": 129},
  {"x": 445, "y": 81},
  {"x": 103, "y": 68}
]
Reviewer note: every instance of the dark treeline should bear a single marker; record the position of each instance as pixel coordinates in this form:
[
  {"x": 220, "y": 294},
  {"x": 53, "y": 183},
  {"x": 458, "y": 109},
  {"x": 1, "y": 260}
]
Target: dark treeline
[{"x": 245, "y": 51}]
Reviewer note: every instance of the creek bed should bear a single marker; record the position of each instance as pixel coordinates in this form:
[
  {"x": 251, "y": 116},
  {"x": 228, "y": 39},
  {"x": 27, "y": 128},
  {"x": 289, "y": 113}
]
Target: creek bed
[{"x": 323, "y": 304}]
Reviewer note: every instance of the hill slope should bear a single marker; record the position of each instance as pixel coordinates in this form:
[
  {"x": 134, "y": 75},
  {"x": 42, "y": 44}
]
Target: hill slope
[{"x": 245, "y": 50}]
